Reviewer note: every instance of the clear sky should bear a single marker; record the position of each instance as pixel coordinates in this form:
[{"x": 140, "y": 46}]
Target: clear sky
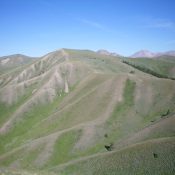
[{"x": 36, "y": 27}]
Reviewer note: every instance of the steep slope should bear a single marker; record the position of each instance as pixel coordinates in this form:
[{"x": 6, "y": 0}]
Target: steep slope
[{"x": 60, "y": 111}]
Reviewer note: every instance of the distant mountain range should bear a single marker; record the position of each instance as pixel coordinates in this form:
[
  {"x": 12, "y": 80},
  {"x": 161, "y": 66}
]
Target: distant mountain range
[
  {"x": 149, "y": 54},
  {"x": 19, "y": 59},
  {"x": 141, "y": 53}
]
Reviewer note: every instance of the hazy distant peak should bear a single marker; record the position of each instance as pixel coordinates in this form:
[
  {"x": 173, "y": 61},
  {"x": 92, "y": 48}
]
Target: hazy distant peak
[
  {"x": 105, "y": 52},
  {"x": 149, "y": 54},
  {"x": 143, "y": 53},
  {"x": 16, "y": 59},
  {"x": 13, "y": 56}
]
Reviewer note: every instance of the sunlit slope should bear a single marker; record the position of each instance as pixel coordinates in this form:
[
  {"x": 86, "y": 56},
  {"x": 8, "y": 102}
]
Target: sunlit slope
[{"x": 65, "y": 107}]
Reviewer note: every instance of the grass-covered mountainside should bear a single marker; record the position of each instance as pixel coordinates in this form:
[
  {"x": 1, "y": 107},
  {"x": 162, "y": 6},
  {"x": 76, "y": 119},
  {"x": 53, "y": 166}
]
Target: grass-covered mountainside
[
  {"x": 163, "y": 66},
  {"x": 80, "y": 112}
]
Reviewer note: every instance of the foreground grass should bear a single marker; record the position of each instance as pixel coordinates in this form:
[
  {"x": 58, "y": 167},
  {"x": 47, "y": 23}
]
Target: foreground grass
[{"x": 135, "y": 160}]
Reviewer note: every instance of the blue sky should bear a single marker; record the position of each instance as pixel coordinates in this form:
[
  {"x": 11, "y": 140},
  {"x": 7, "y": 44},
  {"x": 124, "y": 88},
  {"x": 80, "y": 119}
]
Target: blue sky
[{"x": 36, "y": 27}]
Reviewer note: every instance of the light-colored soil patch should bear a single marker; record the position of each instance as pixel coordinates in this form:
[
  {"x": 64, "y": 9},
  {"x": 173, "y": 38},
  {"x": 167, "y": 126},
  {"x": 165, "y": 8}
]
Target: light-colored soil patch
[
  {"x": 143, "y": 96},
  {"x": 65, "y": 54},
  {"x": 4, "y": 61},
  {"x": 15, "y": 165},
  {"x": 47, "y": 151},
  {"x": 87, "y": 137}
]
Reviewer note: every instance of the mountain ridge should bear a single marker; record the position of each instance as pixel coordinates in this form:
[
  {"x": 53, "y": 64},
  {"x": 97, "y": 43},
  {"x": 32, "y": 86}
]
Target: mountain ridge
[{"x": 141, "y": 53}]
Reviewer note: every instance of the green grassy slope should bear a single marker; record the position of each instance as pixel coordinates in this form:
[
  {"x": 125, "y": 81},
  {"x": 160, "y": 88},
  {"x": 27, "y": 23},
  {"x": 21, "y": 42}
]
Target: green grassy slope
[{"x": 164, "y": 66}]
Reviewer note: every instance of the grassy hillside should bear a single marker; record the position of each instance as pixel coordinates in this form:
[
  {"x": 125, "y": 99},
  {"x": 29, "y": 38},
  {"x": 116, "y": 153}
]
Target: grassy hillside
[
  {"x": 58, "y": 114},
  {"x": 161, "y": 66}
]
